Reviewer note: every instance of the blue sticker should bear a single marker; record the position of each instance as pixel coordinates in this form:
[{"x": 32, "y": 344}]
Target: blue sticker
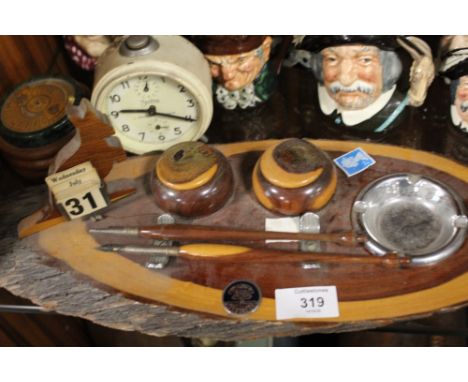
[{"x": 354, "y": 162}]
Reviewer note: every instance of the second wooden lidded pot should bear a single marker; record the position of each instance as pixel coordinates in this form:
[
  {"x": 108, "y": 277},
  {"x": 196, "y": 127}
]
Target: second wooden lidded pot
[
  {"x": 294, "y": 177},
  {"x": 192, "y": 179}
]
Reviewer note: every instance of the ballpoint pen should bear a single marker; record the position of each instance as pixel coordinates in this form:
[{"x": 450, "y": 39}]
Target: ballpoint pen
[
  {"x": 228, "y": 252},
  {"x": 185, "y": 232}
]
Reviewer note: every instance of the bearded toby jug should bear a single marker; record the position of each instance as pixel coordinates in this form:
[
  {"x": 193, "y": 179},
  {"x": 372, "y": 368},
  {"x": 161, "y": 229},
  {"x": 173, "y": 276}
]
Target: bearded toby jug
[
  {"x": 357, "y": 81},
  {"x": 454, "y": 67}
]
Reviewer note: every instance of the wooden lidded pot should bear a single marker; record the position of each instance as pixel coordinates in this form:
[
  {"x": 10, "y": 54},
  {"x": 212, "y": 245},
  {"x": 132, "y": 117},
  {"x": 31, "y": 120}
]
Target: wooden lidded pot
[
  {"x": 34, "y": 124},
  {"x": 192, "y": 179},
  {"x": 294, "y": 177}
]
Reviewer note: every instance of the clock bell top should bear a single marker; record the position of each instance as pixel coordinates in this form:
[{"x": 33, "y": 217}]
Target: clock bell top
[{"x": 168, "y": 54}]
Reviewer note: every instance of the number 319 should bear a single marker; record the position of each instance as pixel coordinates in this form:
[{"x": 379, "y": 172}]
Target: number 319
[{"x": 313, "y": 302}]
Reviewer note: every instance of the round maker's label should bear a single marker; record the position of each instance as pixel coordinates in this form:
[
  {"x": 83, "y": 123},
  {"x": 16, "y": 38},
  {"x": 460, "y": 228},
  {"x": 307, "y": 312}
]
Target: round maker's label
[{"x": 241, "y": 297}]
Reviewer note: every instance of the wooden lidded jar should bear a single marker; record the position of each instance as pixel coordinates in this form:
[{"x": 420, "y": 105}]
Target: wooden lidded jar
[
  {"x": 192, "y": 179},
  {"x": 34, "y": 125},
  {"x": 294, "y": 177}
]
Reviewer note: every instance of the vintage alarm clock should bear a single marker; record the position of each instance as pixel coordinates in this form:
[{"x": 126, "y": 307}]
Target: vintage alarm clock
[
  {"x": 192, "y": 179},
  {"x": 34, "y": 125},
  {"x": 156, "y": 91},
  {"x": 294, "y": 177}
]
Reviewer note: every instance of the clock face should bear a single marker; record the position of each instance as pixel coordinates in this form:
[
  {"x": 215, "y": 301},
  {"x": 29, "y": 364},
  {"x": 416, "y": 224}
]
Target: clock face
[{"x": 151, "y": 112}]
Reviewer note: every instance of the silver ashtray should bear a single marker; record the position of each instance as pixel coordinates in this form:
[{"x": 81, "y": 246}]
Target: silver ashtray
[{"x": 410, "y": 215}]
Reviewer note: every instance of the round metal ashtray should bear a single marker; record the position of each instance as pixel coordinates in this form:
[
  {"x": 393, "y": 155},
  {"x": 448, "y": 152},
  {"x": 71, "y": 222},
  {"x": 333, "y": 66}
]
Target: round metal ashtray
[{"x": 411, "y": 215}]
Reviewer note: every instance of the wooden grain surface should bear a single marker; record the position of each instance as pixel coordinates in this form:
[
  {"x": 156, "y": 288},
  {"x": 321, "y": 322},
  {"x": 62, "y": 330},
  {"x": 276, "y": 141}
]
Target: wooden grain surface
[
  {"x": 185, "y": 299},
  {"x": 29, "y": 56}
]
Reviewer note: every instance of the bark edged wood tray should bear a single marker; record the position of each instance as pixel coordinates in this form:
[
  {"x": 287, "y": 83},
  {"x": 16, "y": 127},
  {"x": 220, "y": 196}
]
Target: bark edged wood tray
[{"x": 369, "y": 294}]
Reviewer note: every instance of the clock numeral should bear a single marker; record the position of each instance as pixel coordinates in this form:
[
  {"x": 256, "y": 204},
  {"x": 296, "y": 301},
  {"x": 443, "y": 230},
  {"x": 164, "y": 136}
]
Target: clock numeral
[
  {"x": 115, "y": 114},
  {"x": 161, "y": 137},
  {"x": 125, "y": 128},
  {"x": 189, "y": 118},
  {"x": 177, "y": 131},
  {"x": 181, "y": 89},
  {"x": 142, "y": 136},
  {"x": 191, "y": 102},
  {"x": 125, "y": 84},
  {"x": 115, "y": 98}
]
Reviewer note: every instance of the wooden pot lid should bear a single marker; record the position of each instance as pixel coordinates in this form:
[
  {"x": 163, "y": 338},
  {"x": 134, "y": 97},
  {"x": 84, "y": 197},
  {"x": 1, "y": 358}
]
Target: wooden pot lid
[
  {"x": 34, "y": 113},
  {"x": 187, "y": 165},
  {"x": 292, "y": 163}
]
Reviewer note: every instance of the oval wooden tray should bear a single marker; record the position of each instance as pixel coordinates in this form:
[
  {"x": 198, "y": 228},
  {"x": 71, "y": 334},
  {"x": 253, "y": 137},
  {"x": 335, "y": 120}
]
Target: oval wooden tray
[{"x": 369, "y": 295}]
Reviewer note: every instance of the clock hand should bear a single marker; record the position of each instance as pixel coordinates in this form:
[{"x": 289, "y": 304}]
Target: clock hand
[
  {"x": 152, "y": 112},
  {"x": 134, "y": 111},
  {"x": 189, "y": 119}
]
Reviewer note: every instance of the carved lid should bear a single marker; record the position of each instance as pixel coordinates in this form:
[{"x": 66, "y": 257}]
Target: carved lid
[
  {"x": 292, "y": 163},
  {"x": 34, "y": 113},
  {"x": 187, "y": 165}
]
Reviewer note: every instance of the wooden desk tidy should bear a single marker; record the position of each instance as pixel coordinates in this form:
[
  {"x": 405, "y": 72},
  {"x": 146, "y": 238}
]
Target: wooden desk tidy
[{"x": 63, "y": 268}]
